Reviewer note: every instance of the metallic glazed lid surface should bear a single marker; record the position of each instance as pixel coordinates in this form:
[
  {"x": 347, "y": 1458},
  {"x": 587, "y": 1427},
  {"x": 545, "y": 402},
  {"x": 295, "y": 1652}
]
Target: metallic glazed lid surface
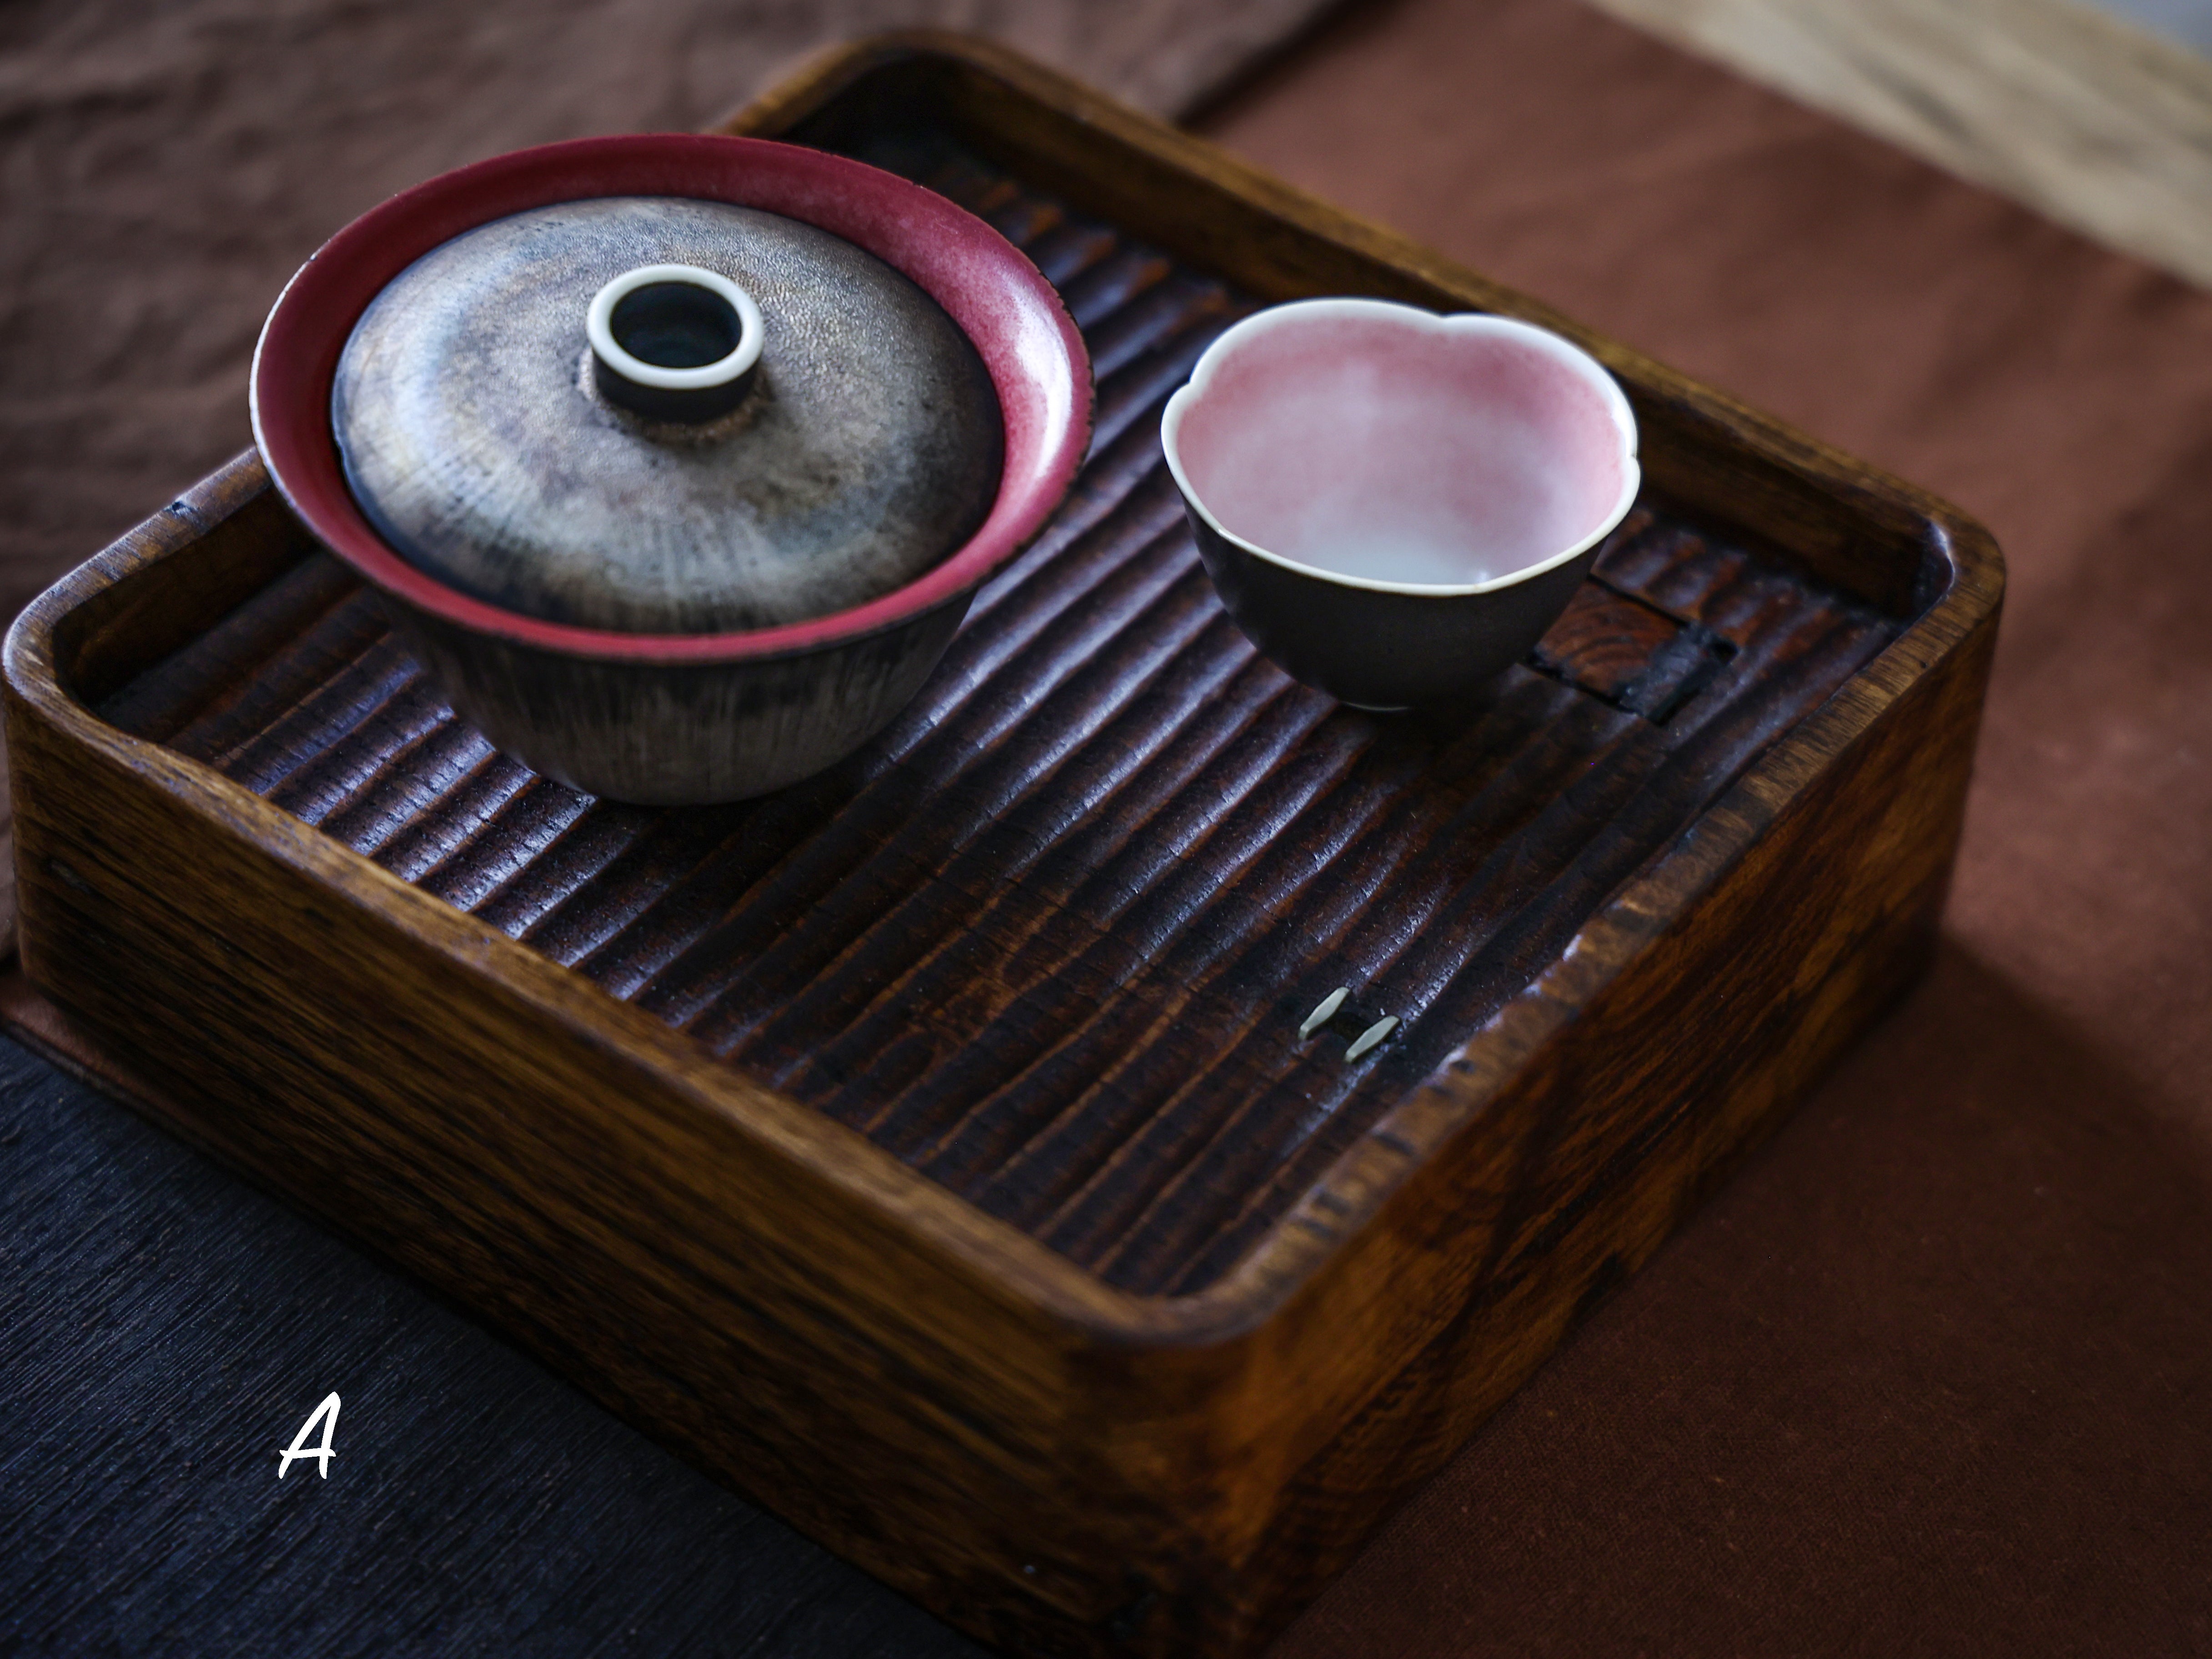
[{"x": 475, "y": 422}]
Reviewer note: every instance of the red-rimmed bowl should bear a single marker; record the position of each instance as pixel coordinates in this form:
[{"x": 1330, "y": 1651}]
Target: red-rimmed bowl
[{"x": 668, "y": 718}]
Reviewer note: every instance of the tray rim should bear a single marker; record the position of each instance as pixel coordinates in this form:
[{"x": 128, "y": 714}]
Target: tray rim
[{"x": 1012, "y": 1266}]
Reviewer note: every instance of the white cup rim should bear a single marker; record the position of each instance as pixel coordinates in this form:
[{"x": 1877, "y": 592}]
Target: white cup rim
[
  {"x": 599, "y": 327},
  {"x": 1296, "y": 312}
]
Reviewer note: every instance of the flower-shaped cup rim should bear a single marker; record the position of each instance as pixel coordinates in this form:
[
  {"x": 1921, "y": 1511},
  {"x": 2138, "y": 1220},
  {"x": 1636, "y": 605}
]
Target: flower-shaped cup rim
[{"x": 1296, "y": 313}]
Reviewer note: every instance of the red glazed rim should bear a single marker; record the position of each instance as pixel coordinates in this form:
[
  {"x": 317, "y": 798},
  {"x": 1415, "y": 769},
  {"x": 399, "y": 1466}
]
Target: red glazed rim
[{"x": 1028, "y": 343}]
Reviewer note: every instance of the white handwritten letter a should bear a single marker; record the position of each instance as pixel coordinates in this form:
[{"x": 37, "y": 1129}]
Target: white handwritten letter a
[{"x": 327, "y": 1415}]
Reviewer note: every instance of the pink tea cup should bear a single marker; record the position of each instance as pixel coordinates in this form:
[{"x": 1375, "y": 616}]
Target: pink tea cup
[{"x": 1395, "y": 505}]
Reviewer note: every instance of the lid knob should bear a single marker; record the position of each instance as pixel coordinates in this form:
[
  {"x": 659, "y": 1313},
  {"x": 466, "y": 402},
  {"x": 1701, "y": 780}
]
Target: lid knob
[{"x": 674, "y": 342}]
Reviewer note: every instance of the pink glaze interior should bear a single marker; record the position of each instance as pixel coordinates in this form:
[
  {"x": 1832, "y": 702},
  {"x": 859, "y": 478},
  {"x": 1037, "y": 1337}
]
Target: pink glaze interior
[
  {"x": 1032, "y": 350},
  {"x": 1389, "y": 446}
]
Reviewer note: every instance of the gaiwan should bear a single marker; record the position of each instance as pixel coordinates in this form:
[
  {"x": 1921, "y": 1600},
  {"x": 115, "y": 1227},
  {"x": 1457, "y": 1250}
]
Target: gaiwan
[
  {"x": 660, "y": 415},
  {"x": 675, "y": 460}
]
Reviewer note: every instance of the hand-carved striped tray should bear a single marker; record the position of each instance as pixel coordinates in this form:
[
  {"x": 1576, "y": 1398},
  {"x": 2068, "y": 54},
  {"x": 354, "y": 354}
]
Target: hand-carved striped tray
[{"x": 971, "y": 1154}]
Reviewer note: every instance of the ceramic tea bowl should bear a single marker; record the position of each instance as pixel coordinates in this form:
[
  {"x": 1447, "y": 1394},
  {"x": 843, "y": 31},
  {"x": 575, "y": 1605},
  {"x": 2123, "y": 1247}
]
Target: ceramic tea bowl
[
  {"x": 1395, "y": 505},
  {"x": 661, "y": 695}
]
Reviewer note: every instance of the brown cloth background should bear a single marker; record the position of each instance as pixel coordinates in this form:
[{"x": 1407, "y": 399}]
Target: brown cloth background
[{"x": 1933, "y": 1375}]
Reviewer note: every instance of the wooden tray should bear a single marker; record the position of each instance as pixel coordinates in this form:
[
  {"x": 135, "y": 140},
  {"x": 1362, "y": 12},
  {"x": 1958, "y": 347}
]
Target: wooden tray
[{"x": 932, "y": 1150}]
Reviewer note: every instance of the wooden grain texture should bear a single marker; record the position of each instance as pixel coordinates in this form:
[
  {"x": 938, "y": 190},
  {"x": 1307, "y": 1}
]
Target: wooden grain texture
[
  {"x": 2102, "y": 125},
  {"x": 1668, "y": 870}
]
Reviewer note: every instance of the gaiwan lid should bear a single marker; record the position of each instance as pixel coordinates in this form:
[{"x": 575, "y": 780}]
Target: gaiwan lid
[{"x": 657, "y": 415}]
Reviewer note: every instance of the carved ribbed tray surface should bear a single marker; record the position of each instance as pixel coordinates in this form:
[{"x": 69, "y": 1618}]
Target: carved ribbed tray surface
[{"x": 1052, "y": 938}]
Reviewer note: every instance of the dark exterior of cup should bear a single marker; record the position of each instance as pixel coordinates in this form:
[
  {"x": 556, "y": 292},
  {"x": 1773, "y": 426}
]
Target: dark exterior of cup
[
  {"x": 1377, "y": 649},
  {"x": 677, "y": 733}
]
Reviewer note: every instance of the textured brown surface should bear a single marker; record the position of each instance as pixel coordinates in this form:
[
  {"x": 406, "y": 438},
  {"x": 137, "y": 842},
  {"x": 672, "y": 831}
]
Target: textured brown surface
[
  {"x": 2068, "y": 106},
  {"x": 1932, "y": 1375},
  {"x": 1051, "y": 938}
]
